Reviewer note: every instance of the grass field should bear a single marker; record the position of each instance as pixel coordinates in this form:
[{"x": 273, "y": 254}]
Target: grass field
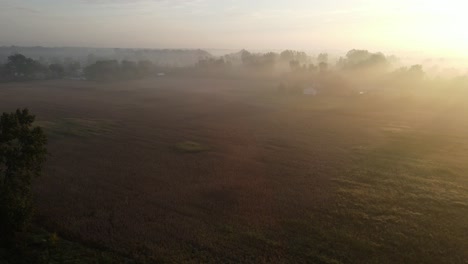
[{"x": 211, "y": 170}]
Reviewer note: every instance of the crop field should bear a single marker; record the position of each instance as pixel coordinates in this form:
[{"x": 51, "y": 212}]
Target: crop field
[{"x": 213, "y": 170}]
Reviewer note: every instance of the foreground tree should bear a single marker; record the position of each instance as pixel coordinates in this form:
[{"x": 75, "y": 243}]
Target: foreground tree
[{"x": 22, "y": 154}]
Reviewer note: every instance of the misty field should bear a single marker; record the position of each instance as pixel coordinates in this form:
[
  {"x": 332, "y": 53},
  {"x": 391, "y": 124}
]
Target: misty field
[{"x": 213, "y": 170}]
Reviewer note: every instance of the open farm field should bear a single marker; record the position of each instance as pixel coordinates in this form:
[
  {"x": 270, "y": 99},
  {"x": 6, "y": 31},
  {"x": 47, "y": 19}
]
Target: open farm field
[{"x": 217, "y": 170}]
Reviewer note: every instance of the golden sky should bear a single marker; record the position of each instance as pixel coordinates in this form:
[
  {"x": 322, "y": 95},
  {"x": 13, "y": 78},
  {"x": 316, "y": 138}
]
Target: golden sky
[{"x": 435, "y": 28}]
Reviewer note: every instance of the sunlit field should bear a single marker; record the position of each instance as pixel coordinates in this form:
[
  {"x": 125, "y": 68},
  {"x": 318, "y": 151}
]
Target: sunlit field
[{"x": 181, "y": 169}]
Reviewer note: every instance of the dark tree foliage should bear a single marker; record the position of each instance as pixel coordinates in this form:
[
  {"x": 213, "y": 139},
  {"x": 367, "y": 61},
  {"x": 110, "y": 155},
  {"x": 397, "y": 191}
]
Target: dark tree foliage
[
  {"x": 322, "y": 57},
  {"x": 363, "y": 59},
  {"x": 259, "y": 61},
  {"x": 20, "y": 67},
  {"x": 22, "y": 154},
  {"x": 2, "y": 72},
  {"x": 414, "y": 73},
  {"x": 103, "y": 70},
  {"x": 56, "y": 70},
  {"x": 291, "y": 55},
  {"x": 71, "y": 67}
]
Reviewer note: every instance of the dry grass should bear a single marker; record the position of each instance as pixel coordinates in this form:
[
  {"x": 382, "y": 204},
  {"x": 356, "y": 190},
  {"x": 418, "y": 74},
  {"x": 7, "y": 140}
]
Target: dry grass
[{"x": 286, "y": 180}]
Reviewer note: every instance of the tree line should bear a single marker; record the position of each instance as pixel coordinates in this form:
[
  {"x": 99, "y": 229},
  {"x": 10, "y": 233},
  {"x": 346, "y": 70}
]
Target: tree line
[
  {"x": 300, "y": 62},
  {"x": 21, "y": 68}
]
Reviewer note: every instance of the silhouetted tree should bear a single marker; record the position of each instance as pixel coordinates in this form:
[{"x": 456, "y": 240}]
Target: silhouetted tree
[
  {"x": 287, "y": 56},
  {"x": 322, "y": 57},
  {"x": 247, "y": 58},
  {"x": 363, "y": 59},
  {"x": 72, "y": 68},
  {"x": 56, "y": 70},
  {"x": 19, "y": 67},
  {"x": 103, "y": 70},
  {"x": 2, "y": 73},
  {"x": 22, "y": 154},
  {"x": 259, "y": 61},
  {"x": 414, "y": 73}
]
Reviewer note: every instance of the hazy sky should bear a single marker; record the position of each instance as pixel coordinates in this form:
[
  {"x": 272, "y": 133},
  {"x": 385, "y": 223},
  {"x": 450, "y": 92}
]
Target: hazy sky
[{"x": 437, "y": 27}]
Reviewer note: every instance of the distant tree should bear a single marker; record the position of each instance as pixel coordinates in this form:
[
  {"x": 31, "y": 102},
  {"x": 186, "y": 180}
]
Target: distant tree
[
  {"x": 56, "y": 70},
  {"x": 22, "y": 154},
  {"x": 363, "y": 59},
  {"x": 72, "y": 68},
  {"x": 19, "y": 67},
  {"x": 129, "y": 69},
  {"x": 290, "y": 55},
  {"x": 393, "y": 60},
  {"x": 2, "y": 72},
  {"x": 259, "y": 61},
  {"x": 247, "y": 58},
  {"x": 355, "y": 56},
  {"x": 323, "y": 67},
  {"x": 103, "y": 70},
  {"x": 312, "y": 67},
  {"x": 269, "y": 59},
  {"x": 244, "y": 54},
  {"x": 294, "y": 65},
  {"x": 322, "y": 57},
  {"x": 287, "y": 56},
  {"x": 414, "y": 73},
  {"x": 301, "y": 57},
  {"x": 341, "y": 63}
]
